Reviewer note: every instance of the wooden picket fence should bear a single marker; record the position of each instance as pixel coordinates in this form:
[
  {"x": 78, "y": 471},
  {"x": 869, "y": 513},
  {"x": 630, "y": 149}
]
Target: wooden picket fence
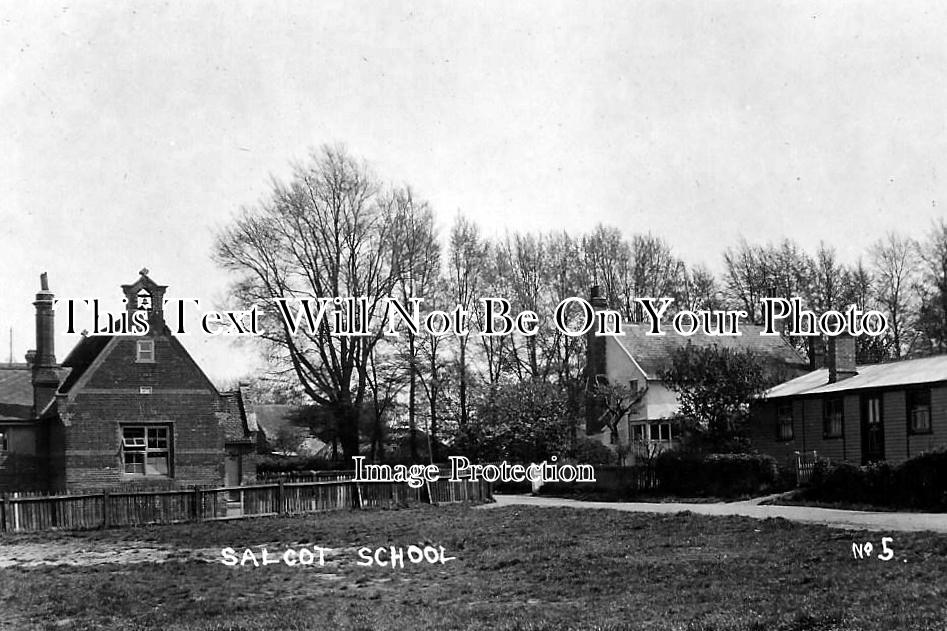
[
  {"x": 35, "y": 512},
  {"x": 304, "y": 476},
  {"x": 805, "y": 465}
]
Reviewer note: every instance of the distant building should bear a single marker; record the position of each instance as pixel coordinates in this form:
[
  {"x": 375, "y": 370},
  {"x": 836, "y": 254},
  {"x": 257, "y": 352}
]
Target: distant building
[
  {"x": 638, "y": 360},
  {"x": 860, "y": 414},
  {"x": 120, "y": 411},
  {"x": 283, "y": 425}
]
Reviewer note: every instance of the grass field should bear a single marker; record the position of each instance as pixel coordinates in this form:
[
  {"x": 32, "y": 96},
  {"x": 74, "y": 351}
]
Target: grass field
[{"x": 515, "y": 568}]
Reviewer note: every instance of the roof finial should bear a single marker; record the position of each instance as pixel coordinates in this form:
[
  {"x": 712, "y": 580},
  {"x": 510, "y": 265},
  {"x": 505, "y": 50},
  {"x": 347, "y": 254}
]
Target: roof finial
[{"x": 144, "y": 271}]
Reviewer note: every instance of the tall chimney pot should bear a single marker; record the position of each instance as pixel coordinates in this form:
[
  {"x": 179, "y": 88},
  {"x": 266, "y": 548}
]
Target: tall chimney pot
[{"x": 44, "y": 378}]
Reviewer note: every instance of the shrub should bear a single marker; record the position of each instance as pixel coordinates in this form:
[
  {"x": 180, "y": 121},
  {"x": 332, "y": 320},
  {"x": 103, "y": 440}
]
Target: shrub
[
  {"x": 920, "y": 483},
  {"x": 279, "y": 464},
  {"x": 718, "y": 475},
  {"x": 588, "y": 451}
]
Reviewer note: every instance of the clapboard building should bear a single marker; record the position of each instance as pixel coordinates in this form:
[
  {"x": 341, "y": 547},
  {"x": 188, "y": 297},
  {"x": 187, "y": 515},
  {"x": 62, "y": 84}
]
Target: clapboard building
[
  {"x": 120, "y": 411},
  {"x": 856, "y": 413}
]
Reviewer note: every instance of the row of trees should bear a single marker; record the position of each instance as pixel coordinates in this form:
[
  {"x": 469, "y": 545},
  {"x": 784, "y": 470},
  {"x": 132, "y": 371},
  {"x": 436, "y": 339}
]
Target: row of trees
[{"x": 334, "y": 229}]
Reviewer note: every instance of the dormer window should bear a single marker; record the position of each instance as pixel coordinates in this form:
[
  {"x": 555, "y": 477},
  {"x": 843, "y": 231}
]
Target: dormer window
[
  {"x": 143, "y": 300},
  {"x": 145, "y": 351}
]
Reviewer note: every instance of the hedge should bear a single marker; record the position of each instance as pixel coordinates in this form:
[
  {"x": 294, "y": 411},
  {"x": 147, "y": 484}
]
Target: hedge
[
  {"x": 919, "y": 483},
  {"x": 715, "y": 475}
]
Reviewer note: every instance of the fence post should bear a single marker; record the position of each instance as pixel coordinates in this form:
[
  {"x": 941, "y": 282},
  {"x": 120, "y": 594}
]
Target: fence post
[
  {"x": 3, "y": 512},
  {"x": 105, "y": 509},
  {"x": 198, "y": 505},
  {"x": 279, "y": 497}
]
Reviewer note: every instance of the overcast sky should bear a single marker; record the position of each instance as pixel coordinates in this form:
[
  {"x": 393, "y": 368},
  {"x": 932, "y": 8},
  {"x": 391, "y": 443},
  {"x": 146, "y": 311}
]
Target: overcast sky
[{"x": 130, "y": 132}]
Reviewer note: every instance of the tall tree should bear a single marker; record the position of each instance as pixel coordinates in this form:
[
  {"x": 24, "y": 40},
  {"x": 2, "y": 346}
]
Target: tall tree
[
  {"x": 894, "y": 261},
  {"x": 420, "y": 261},
  {"x": 326, "y": 233},
  {"x": 467, "y": 260},
  {"x": 932, "y": 319}
]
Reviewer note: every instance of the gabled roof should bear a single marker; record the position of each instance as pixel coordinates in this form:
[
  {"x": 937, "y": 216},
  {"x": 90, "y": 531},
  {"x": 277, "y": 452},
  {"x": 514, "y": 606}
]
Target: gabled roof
[
  {"x": 237, "y": 425},
  {"x": 271, "y": 418},
  {"x": 81, "y": 357},
  {"x": 16, "y": 392},
  {"x": 890, "y": 375},
  {"x": 85, "y": 353},
  {"x": 653, "y": 352}
]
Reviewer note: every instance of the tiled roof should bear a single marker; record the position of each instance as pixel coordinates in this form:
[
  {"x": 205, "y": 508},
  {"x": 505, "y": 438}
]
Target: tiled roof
[
  {"x": 16, "y": 392},
  {"x": 902, "y": 373},
  {"x": 81, "y": 357},
  {"x": 234, "y": 417},
  {"x": 653, "y": 352},
  {"x": 272, "y": 418}
]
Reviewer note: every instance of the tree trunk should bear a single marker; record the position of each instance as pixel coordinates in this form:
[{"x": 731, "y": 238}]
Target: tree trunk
[
  {"x": 432, "y": 429},
  {"x": 463, "y": 385},
  {"x": 347, "y": 419},
  {"x": 412, "y": 416}
]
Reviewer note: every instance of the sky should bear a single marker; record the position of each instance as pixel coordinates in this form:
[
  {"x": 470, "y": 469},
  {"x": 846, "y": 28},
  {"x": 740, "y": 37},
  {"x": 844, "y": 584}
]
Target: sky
[{"x": 131, "y": 132}]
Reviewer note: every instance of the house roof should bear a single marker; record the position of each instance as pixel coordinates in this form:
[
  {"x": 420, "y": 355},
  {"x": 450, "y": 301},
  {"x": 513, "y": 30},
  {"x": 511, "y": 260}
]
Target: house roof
[
  {"x": 893, "y": 374},
  {"x": 234, "y": 418},
  {"x": 272, "y": 418},
  {"x": 16, "y": 392},
  {"x": 81, "y": 357},
  {"x": 653, "y": 353}
]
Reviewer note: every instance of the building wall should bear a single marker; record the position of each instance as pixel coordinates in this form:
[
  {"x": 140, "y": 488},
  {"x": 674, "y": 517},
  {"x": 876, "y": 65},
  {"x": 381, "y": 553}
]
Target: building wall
[
  {"x": 23, "y": 464},
  {"x": 894, "y": 415},
  {"x": 180, "y": 397},
  {"x": 900, "y": 444}
]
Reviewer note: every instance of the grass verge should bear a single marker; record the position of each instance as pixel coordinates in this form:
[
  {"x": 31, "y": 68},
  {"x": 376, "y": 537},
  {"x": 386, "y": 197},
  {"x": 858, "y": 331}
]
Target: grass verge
[{"x": 515, "y": 568}]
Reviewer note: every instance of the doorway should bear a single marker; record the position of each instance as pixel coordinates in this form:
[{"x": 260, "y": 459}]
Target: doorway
[
  {"x": 233, "y": 473},
  {"x": 873, "y": 429}
]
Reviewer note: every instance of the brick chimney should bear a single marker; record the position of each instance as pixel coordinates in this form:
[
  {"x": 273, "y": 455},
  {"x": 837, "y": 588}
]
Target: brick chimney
[
  {"x": 597, "y": 298},
  {"x": 45, "y": 379},
  {"x": 840, "y": 357},
  {"x": 595, "y": 365}
]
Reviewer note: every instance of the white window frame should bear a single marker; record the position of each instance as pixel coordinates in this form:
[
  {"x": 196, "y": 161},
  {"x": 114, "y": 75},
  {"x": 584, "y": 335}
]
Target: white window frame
[
  {"x": 148, "y": 444},
  {"x": 644, "y": 429},
  {"x": 145, "y": 351}
]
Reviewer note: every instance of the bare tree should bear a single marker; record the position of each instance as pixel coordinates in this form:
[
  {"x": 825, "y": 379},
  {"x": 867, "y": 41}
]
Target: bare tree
[
  {"x": 608, "y": 259},
  {"x": 894, "y": 261},
  {"x": 326, "y": 233},
  {"x": 467, "y": 260},
  {"x": 932, "y": 319},
  {"x": 618, "y": 401},
  {"x": 420, "y": 260}
]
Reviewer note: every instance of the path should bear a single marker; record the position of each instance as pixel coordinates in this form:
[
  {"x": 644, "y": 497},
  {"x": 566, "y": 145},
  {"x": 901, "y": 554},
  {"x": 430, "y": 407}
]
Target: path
[{"x": 859, "y": 520}]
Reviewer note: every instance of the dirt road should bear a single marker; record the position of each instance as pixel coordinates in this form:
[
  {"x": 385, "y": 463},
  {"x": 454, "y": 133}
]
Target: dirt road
[{"x": 859, "y": 520}]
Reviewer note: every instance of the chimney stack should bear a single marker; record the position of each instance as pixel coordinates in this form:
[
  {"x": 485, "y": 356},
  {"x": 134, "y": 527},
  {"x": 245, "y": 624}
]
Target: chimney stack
[
  {"x": 595, "y": 365},
  {"x": 598, "y": 300},
  {"x": 45, "y": 379},
  {"x": 841, "y": 357}
]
